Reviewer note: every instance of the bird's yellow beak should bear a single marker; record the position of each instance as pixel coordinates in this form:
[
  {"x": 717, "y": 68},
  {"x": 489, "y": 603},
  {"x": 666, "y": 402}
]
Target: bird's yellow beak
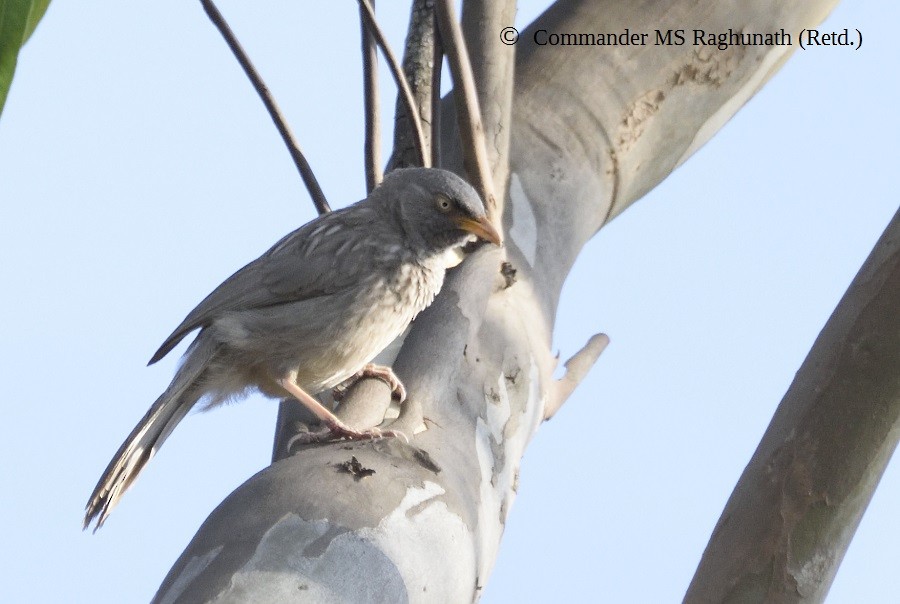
[{"x": 481, "y": 228}]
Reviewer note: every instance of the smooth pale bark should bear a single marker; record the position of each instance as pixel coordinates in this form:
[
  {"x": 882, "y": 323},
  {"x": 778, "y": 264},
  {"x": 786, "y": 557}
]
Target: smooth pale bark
[
  {"x": 822, "y": 456},
  {"x": 422, "y": 522}
]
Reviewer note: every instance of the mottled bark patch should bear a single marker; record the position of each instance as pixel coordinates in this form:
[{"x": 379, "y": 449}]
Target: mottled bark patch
[{"x": 636, "y": 118}]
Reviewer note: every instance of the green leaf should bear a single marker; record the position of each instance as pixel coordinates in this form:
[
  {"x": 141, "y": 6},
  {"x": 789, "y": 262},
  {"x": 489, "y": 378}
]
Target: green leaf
[{"x": 18, "y": 18}]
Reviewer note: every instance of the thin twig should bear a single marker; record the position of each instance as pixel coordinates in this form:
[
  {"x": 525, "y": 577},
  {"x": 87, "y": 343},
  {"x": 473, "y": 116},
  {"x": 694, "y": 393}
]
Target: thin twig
[
  {"x": 372, "y": 143},
  {"x": 400, "y": 79},
  {"x": 438, "y": 64},
  {"x": 493, "y": 67},
  {"x": 306, "y": 173},
  {"x": 471, "y": 128}
]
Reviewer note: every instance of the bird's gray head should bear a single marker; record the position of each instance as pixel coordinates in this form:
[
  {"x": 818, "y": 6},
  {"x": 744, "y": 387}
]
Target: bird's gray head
[{"x": 436, "y": 209}]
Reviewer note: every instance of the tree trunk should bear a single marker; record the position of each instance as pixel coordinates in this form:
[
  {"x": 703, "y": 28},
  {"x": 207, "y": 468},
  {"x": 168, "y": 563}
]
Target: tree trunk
[{"x": 592, "y": 131}]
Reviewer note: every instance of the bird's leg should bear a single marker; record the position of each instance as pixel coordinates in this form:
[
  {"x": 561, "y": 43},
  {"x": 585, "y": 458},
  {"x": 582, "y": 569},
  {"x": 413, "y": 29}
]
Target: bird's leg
[
  {"x": 371, "y": 370},
  {"x": 336, "y": 428}
]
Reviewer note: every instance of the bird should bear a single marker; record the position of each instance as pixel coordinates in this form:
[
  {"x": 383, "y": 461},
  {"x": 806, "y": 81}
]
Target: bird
[{"x": 311, "y": 312}]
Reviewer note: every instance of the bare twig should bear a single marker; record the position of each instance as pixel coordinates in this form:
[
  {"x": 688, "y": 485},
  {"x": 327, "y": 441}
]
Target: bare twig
[
  {"x": 400, "y": 79},
  {"x": 370, "y": 100},
  {"x": 577, "y": 369},
  {"x": 471, "y": 129},
  {"x": 306, "y": 173},
  {"x": 437, "y": 67},
  {"x": 493, "y": 66}
]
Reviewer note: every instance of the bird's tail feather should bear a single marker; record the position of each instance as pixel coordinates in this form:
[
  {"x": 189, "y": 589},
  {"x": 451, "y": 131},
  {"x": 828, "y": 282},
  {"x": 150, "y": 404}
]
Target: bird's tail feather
[{"x": 148, "y": 436}]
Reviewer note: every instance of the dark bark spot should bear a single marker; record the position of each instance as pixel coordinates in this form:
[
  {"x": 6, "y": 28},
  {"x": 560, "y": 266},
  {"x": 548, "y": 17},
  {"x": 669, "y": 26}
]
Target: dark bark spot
[
  {"x": 509, "y": 274},
  {"x": 424, "y": 459},
  {"x": 355, "y": 469}
]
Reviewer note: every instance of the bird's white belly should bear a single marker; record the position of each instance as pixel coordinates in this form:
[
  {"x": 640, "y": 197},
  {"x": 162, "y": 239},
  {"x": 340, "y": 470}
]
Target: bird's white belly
[{"x": 381, "y": 314}]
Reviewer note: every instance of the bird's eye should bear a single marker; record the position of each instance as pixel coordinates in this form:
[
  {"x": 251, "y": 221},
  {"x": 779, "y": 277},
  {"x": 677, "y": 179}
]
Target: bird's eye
[{"x": 444, "y": 204}]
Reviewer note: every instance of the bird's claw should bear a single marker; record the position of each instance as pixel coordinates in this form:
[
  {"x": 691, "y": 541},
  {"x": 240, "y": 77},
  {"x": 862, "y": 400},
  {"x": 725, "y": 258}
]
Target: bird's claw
[
  {"x": 339, "y": 432},
  {"x": 380, "y": 372}
]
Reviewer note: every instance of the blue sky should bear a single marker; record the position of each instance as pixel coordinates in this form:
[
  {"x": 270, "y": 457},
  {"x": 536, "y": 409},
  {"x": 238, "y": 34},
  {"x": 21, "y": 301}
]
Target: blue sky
[{"x": 138, "y": 169}]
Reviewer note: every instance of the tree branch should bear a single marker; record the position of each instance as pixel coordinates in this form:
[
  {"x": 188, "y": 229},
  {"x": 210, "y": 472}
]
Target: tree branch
[
  {"x": 471, "y": 127},
  {"x": 795, "y": 509},
  {"x": 372, "y": 143},
  {"x": 577, "y": 369},
  {"x": 492, "y": 72},
  {"x": 400, "y": 79},
  {"x": 437, "y": 69},
  {"x": 415, "y": 521},
  {"x": 306, "y": 173},
  {"x": 418, "y": 65}
]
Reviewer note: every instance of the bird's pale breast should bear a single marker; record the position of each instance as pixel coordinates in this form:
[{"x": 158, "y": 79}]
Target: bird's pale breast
[
  {"x": 326, "y": 339},
  {"x": 380, "y": 312}
]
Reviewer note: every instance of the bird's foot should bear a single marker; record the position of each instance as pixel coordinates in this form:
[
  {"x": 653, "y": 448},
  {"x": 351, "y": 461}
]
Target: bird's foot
[
  {"x": 371, "y": 370},
  {"x": 338, "y": 431},
  {"x": 334, "y": 429}
]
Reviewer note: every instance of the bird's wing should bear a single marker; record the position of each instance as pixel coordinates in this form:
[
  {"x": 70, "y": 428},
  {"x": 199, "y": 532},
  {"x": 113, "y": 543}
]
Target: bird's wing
[{"x": 318, "y": 259}]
